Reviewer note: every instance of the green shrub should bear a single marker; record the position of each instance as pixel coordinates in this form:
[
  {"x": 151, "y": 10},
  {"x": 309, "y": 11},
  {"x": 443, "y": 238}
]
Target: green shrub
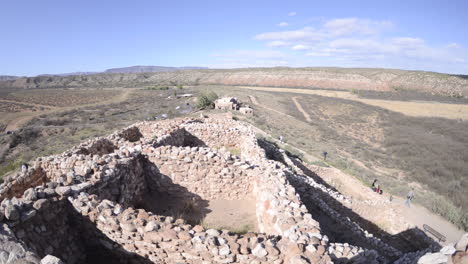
[
  {"x": 206, "y": 100},
  {"x": 179, "y": 86}
]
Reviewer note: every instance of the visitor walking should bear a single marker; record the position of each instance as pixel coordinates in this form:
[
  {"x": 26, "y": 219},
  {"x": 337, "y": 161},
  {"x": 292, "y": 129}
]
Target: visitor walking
[
  {"x": 281, "y": 139},
  {"x": 24, "y": 167},
  {"x": 409, "y": 197},
  {"x": 374, "y": 185}
]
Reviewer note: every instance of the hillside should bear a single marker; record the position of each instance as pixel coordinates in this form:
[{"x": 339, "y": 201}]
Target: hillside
[
  {"x": 140, "y": 69},
  {"x": 8, "y": 77},
  {"x": 324, "y": 78}
]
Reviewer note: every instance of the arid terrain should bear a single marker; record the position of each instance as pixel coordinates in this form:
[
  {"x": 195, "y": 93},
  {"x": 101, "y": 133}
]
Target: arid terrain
[
  {"x": 404, "y": 128},
  {"x": 324, "y": 78}
]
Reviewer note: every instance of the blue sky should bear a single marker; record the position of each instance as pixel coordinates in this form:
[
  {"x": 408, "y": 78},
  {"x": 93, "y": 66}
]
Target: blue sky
[{"x": 57, "y": 36}]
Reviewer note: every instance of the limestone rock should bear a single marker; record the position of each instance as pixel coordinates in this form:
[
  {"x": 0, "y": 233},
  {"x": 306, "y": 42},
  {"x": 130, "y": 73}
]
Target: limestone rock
[
  {"x": 12, "y": 213},
  {"x": 259, "y": 251},
  {"x": 462, "y": 244},
  {"x": 49, "y": 259},
  {"x": 433, "y": 258}
]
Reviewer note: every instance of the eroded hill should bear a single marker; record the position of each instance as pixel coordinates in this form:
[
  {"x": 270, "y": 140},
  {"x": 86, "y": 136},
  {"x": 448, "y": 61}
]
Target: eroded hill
[{"x": 324, "y": 78}]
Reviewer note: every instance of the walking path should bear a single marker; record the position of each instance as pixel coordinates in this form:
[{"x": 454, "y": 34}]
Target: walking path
[{"x": 299, "y": 107}]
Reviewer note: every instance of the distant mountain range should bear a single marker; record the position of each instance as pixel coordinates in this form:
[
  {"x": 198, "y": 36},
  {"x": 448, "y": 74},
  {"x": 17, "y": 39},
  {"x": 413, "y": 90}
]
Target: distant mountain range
[
  {"x": 131, "y": 69},
  {"x": 8, "y": 77},
  {"x": 140, "y": 69}
]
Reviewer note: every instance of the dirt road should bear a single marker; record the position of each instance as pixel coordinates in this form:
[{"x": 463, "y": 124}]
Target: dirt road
[{"x": 299, "y": 107}]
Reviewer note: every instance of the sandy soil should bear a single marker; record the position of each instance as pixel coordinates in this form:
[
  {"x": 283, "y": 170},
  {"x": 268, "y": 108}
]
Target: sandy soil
[{"x": 232, "y": 215}]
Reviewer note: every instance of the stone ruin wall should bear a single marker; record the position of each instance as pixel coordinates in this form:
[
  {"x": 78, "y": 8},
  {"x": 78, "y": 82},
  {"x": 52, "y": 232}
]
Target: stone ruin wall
[
  {"x": 91, "y": 182},
  {"x": 84, "y": 203}
]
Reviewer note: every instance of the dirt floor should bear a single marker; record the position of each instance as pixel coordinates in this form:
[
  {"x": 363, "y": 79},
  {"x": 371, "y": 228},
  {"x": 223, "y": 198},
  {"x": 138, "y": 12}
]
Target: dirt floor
[{"x": 237, "y": 216}]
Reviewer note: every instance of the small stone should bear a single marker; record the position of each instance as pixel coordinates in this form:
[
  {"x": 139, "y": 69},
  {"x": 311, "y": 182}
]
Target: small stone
[
  {"x": 213, "y": 232},
  {"x": 224, "y": 250},
  {"x": 259, "y": 251},
  {"x": 433, "y": 258},
  {"x": 185, "y": 235},
  {"x": 63, "y": 190},
  {"x": 169, "y": 234},
  {"x": 198, "y": 228},
  {"x": 30, "y": 194},
  {"x": 129, "y": 227},
  {"x": 311, "y": 248},
  {"x": 49, "y": 259},
  {"x": 40, "y": 203},
  {"x": 151, "y": 226},
  {"x": 12, "y": 213}
]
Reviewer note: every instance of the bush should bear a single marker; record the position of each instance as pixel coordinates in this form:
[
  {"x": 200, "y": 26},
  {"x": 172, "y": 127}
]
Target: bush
[
  {"x": 212, "y": 96},
  {"x": 206, "y": 100}
]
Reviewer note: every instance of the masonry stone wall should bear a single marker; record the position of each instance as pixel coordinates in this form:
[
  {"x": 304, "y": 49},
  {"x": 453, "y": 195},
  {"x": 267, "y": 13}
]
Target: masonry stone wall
[{"x": 86, "y": 203}]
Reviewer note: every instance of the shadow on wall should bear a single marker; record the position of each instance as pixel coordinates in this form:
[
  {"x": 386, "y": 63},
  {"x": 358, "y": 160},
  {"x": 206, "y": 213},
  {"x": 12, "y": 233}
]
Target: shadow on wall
[
  {"x": 164, "y": 197},
  {"x": 407, "y": 241},
  {"x": 272, "y": 152},
  {"x": 100, "y": 147},
  {"x": 181, "y": 138},
  {"x": 97, "y": 246}
]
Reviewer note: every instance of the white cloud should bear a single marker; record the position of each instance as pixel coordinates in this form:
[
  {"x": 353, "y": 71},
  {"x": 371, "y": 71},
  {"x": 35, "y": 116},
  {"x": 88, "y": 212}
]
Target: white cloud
[
  {"x": 258, "y": 54},
  {"x": 318, "y": 54},
  {"x": 453, "y": 46},
  {"x": 306, "y": 33},
  {"x": 283, "y": 24},
  {"x": 292, "y": 13},
  {"x": 300, "y": 47},
  {"x": 408, "y": 42},
  {"x": 349, "y": 42},
  {"x": 278, "y": 43},
  {"x": 348, "y": 26}
]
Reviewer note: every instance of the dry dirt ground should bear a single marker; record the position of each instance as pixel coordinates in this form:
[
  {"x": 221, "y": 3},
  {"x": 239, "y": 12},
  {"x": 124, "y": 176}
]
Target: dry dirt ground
[
  {"x": 18, "y": 119},
  {"x": 424, "y": 109},
  {"x": 237, "y": 216}
]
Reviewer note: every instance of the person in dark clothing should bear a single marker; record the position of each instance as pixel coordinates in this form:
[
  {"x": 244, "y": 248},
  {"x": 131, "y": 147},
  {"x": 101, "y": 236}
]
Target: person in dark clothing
[{"x": 374, "y": 185}]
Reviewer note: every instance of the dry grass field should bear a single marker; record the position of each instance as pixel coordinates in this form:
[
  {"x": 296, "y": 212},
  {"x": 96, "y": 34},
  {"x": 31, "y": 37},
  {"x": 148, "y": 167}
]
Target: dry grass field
[
  {"x": 411, "y": 108},
  {"x": 61, "y": 97}
]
